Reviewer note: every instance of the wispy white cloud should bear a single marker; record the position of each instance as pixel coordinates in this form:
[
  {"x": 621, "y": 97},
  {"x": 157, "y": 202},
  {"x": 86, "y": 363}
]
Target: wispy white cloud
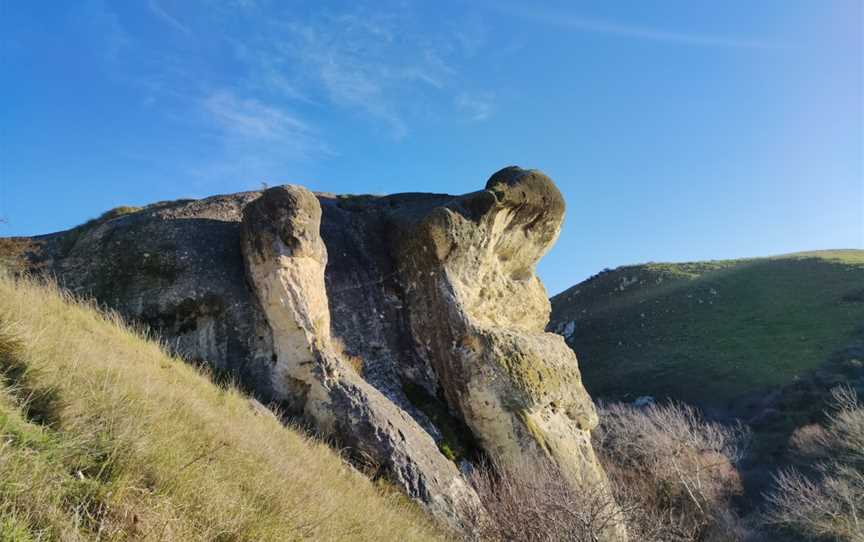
[
  {"x": 376, "y": 63},
  {"x": 157, "y": 10},
  {"x": 258, "y": 141},
  {"x": 477, "y": 107},
  {"x": 565, "y": 20},
  {"x": 295, "y": 71},
  {"x": 251, "y": 120},
  {"x": 352, "y": 86},
  {"x": 356, "y": 61}
]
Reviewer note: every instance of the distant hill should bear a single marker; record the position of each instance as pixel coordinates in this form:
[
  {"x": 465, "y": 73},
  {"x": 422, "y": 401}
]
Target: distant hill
[
  {"x": 758, "y": 339},
  {"x": 710, "y": 332}
]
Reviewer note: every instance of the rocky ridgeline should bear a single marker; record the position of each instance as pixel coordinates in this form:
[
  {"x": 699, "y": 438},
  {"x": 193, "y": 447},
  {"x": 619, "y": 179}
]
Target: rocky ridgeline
[{"x": 410, "y": 327}]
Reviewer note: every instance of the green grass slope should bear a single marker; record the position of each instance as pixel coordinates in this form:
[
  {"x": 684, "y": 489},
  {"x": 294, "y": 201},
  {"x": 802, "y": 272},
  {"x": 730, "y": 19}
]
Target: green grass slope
[
  {"x": 103, "y": 436},
  {"x": 713, "y": 332}
]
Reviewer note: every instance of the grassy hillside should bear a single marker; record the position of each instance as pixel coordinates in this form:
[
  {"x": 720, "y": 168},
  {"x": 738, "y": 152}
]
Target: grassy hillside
[
  {"x": 105, "y": 436},
  {"x": 713, "y": 332}
]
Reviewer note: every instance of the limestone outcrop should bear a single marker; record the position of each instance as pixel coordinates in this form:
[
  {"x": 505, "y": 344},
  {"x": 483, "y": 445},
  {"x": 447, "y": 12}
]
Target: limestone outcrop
[
  {"x": 285, "y": 260},
  {"x": 409, "y": 328},
  {"x": 472, "y": 261}
]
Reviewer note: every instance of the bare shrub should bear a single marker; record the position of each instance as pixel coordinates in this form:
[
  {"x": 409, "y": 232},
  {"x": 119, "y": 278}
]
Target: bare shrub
[
  {"x": 830, "y": 503},
  {"x": 533, "y": 502},
  {"x": 671, "y": 476},
  {"x": 807, "y": 440},
  {"x": 674, "y": 473}
]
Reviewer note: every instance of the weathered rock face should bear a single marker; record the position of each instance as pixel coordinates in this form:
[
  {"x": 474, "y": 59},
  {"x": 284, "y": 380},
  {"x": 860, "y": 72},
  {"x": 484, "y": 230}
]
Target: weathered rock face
[
  {"x": 285, "y": 260},
  {"x": 176, "y": 267},
  {"x": 472, "y": 261},
  {"x": 434, "y": 295}
]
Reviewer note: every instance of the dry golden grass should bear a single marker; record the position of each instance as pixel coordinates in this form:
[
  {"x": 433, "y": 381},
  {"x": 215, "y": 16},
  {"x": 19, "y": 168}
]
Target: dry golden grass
[{"x": 103, "y": 436}]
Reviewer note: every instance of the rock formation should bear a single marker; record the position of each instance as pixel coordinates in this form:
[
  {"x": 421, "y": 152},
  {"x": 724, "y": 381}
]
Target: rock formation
[
  {"x": 404, "y": 326},
  {"x": 471, "y": 261},
  {"x": 285, "y": 260}
]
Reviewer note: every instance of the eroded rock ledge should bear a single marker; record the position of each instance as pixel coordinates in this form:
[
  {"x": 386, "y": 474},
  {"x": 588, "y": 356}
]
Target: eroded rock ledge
[{"x": 409, "y": 327}]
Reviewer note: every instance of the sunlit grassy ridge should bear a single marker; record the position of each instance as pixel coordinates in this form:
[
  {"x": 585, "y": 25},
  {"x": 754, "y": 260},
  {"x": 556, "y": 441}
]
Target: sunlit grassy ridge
[
  {"x": 105, "y": 436},
  {"x": 709, "y": 332}
]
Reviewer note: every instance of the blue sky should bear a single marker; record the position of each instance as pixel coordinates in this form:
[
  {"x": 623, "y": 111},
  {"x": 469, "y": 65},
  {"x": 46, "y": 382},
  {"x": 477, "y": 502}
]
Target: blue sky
[{"x": 676, "y": 130}]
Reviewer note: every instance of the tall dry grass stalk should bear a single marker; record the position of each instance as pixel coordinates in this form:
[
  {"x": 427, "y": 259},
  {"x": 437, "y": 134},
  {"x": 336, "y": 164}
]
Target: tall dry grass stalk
[{"x": 103, "y": 436}]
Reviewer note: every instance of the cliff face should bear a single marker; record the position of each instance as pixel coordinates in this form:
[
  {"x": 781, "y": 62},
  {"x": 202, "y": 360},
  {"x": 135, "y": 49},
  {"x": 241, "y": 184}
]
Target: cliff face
[{"x": 401, "y": 325}]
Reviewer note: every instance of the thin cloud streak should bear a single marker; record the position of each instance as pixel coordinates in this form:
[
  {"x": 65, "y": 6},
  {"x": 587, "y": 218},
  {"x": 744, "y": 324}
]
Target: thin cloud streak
[
  {"x": 167, "y": 17},
  {"x": 596, "y": 26},
  {"x": 374, "y": 64},
  {"x": 371, "y": 81}
]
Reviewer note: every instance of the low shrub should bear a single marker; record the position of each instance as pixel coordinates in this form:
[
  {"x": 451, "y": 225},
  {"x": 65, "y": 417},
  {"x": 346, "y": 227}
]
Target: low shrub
[
  {"x": 533, "y": 502},
  {"x": 827, "y": 503},
  {"x": 672, "y": 478},
  {"x": 674, "y": 472}
]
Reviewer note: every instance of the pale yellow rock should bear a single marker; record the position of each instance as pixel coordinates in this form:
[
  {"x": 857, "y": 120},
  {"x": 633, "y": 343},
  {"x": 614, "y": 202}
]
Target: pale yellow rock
[{"x": 285, "y": 262}]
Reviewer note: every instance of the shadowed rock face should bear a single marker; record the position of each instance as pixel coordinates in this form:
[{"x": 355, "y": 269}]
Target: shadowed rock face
[{"x": 429, "y": 292}]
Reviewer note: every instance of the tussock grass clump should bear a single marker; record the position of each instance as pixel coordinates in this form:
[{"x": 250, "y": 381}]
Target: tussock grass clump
[{"x": 105, "y": 436}]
